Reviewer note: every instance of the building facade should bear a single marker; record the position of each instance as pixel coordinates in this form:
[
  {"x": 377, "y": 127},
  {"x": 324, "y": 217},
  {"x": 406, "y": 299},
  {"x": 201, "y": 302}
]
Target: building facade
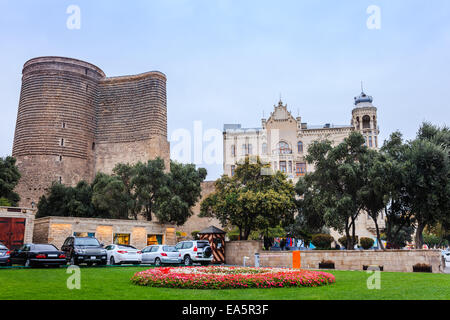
[
  {"x": 73, "y": 122},
  {"x": 283, "y": 140}
]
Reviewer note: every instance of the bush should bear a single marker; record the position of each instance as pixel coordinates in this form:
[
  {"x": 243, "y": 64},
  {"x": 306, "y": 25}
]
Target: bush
[
  {"x": 233, "y": 237},
  {"x": 422, "y": 267},
  {"x": 366, "y": 243},
  {"x": 194, "y": 235},
  {"x": 322, "y": 241},
  {"x": 343, "y": 241}
]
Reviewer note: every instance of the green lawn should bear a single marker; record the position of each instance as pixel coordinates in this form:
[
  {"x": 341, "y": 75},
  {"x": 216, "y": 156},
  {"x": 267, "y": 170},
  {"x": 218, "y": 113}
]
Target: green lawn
[{"x": 113, "y": 283}]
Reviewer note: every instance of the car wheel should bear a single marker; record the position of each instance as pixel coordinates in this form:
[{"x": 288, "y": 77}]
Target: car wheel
[
  {"x": 187, "y": 261},
  {"x": 112, "y": 261},
  {"x": 157, "y": 262}
]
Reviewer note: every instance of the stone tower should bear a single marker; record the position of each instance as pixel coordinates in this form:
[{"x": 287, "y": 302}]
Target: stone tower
[
  {"x": 73, "y": 122},
  {"x": 364, "y": 119}
]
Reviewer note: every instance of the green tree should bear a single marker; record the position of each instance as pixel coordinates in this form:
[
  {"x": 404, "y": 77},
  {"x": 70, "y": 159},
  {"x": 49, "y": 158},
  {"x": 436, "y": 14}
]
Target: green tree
[
  {"x": 251, "y": 199},
  {"x": 110, "y": 195},
  {"x": 337, "y": 182},
  {"x": 150, "y": 180},
  {"x": 180, "y": 193},
  {"x": 9, "y": 177}
]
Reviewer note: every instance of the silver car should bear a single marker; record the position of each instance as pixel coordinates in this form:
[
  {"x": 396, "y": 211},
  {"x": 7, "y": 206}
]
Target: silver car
[{"x": 159, "y": 254}]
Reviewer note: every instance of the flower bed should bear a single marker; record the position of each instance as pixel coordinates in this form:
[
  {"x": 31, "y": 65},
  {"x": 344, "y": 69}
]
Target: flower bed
[{"x": 230, "y": 278}]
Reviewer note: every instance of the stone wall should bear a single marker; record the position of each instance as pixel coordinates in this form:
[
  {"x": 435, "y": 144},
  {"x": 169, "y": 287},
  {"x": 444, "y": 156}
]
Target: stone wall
[
  {"x": 391, "y": 260},
  {"x": 55, "y": 230},
  {"x": 235, "y": 251}
]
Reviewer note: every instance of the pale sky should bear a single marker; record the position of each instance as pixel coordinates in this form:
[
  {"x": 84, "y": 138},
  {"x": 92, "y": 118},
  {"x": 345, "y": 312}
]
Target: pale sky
[{"x": 228, "y": 61}]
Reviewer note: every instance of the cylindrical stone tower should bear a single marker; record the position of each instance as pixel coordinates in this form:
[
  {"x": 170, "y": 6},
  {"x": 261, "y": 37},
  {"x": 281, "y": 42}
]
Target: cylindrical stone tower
[
  {"x": 56, "y": 122},
  {"x": 364, "y": 120}
]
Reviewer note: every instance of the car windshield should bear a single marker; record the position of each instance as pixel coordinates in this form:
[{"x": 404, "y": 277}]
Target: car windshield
[
  {"x": 2, "y": 247},
  {"x": 169, "y": 249},
  {"x": 202, "y": 244},
  {"x": 45, "y": 247},
  {"x": 86, "y": 242}
]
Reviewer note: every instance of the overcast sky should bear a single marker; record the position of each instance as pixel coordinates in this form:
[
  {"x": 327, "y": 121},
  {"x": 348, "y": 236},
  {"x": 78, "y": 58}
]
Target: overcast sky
[{"x": 228, "y": 61}]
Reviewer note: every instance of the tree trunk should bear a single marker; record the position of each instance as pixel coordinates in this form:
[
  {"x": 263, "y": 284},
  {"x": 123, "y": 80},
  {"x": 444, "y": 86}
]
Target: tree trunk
[
  {"x": 349, "y": 244},
  {"x": 380, "y": 244},
  {"x": 419, "y": 235}
]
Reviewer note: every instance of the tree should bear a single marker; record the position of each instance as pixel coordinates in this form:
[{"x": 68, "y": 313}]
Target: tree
[
  {"x": 374, "y": 193},
  {"x": 149, "y": 180},
  {"x": 9, "y": 177},
  {"x": 181, "y": 192},
  {"x": 427, "y": 174},
  {"x": 68, "y": 202},
  {"x": 251, "y": 199},
  {"x": 110, "y": 195},
  {"x": 337, "y": 182}
]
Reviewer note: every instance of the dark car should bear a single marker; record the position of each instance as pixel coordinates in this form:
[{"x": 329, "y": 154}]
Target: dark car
[
  {"x": 32, "y": 254},
  {"x": 4, "y": 256},
  {"x": 84, "y": 250}
]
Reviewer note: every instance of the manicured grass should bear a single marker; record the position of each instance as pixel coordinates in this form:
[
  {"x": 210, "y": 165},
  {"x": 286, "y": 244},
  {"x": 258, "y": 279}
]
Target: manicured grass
[{"x": 114, "y": 283}]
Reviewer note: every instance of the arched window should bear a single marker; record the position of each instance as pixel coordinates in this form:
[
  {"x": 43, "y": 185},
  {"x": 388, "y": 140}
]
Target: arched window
[
  {"x": 366, "y": 122},
  {"x": 300, "y": 147},
  {"x": 283, "y": 148}
]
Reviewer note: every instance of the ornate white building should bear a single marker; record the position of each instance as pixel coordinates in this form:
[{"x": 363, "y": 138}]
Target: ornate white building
[{"x": 283, "y": 142}]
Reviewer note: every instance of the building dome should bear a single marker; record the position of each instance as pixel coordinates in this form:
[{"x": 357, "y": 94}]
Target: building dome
[{"x": 363, "y": 98}]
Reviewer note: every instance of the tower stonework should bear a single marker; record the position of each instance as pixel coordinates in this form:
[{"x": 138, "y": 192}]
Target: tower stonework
[{"x": 73, "y": 122}]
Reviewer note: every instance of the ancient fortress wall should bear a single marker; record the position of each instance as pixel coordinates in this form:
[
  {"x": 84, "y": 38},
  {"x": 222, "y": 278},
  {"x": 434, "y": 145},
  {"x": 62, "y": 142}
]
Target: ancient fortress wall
[{"x": 73, "y": 122}]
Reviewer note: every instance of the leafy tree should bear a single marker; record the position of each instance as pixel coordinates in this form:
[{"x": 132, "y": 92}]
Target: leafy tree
[
  {"x": 336, "y": 183},
  {"x": 4, "y": 202},
  {"x": 110, "y": 195},
  {"x": 251, "y": 199},
  {"x": 427, "y": 171},
  {"x": 150, "y": 180},
  {"x": 9, "y": 177},
  {"x": 181, "y": 192}
]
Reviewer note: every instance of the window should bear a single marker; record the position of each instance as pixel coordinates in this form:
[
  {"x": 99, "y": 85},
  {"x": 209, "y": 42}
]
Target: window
[
  {"x": 370, "y": 142},
  {"x": 264, "y": 148},
  {"x": 290, "y": 167},
  {"x": 244, "y": 149},
  {"x": 283, "y": 166},
  {"x": 233, "y": 150},
  {"x": 233, "y": 168},
  {"x": 60, "y": 158},
  {"x": 187, "y": 245},
  {"x": 60, "y": 180},
  {"x": 153, "y": 239},
  {"x": 121, "y": 238},
  {"x": 283, "y": 148},
  {"x": 366, "y": 122},
  {"x": 300, "y": 147},
  {"x": 275, "y": 167},
  {"x": 250, "y": 149},
  {"x": 300, "y": 169},
  {"x": 62, "y": 142},
  {"x": 376, "y": 142},
  {"x": 63, "y": 125}
]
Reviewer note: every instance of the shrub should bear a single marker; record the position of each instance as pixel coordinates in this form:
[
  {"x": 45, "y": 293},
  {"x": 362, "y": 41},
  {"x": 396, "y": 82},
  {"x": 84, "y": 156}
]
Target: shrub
[
  {"x": 233, "y": 237},
  {"x": 366, "y": 243},
  {"x": 343, "y": 241},
  {"x": 422, "y": 267},
  {"x": 322, "y": 241},
  {"x": 5, "y": 202}
]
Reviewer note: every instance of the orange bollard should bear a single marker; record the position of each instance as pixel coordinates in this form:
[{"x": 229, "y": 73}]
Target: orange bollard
[{"x": 296, "y": 260}]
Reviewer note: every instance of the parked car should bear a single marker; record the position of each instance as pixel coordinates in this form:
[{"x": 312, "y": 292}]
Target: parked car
[
  {"x": 195, "y": 251},
  {"x": 33, "y": 254},
  {"x": 4, "y": 255},
  {"x": 119, "y": 253},
  {"x": 84, "y": 250},
  {"x": 160, "y": 254}
]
